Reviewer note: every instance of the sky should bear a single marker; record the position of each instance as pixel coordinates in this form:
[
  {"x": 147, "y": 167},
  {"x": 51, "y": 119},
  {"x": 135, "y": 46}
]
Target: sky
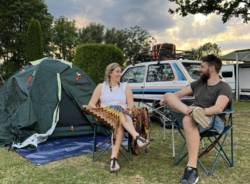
[{"x": 186, "y": 32}]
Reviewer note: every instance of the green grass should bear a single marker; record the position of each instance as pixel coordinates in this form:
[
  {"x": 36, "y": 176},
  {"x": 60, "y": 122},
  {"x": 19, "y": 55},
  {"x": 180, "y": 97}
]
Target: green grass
[{"x": 153, "y": 167}]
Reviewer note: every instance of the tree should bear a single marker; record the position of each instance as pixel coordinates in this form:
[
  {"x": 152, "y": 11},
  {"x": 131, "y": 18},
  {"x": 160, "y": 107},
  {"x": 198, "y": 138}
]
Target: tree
[
  {"x": 207, "y": 48},
  {"x": 228, "y": 9},
  {"x": 138, "y": 41},
  {"x": 14, "y": 19},
  {"x": 93, "y": 33},
  {"x": 34, "y": 41},
  {"x": 64, "y": 37},
  {"x": 93, "y": 59},
  {"x": 115, "y": 37},
  {"x": 132, "y": 41}
]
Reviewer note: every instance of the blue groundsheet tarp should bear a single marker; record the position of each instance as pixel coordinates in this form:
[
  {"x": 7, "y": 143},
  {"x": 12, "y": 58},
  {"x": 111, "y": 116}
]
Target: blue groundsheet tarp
[{"x": 57, "y": 149}]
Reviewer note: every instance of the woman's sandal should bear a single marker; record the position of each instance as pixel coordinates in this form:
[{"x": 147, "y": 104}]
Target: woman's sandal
[
  {"x": 114, "y": 166},
  {"x": 141, "y": 142}
]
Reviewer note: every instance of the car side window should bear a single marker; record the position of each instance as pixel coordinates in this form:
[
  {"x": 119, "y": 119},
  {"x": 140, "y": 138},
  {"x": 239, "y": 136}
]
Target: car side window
[
  {"x": 134, "y": 75},
  {"x": 193, "y": 69},
  {"x": 160, "y": 72}
]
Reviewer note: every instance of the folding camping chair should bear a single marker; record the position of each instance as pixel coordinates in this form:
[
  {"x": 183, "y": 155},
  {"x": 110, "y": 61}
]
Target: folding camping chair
[
  {"x": 216, "y": 142},
  {"x": 106, "y": 144},
  {"x": 141, "y": 123}
]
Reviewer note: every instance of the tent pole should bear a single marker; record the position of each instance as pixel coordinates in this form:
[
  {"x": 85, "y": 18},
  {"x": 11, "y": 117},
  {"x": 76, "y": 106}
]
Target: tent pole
[{"x": 237, "y": 77}]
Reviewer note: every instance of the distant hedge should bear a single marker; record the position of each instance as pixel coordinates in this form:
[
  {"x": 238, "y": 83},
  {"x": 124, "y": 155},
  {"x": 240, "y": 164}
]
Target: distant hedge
[{"x": 93, "y": 59}]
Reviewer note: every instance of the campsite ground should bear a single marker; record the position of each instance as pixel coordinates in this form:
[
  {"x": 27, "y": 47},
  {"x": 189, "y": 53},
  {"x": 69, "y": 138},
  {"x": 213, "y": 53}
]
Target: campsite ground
[{"x": 154, "y": 167}]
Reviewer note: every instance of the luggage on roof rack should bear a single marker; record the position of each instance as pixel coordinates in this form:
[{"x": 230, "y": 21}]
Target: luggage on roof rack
[{"x": 164, "y": 51}]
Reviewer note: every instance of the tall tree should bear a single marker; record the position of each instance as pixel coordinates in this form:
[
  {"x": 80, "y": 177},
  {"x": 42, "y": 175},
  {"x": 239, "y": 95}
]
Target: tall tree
[
  {"x": 116, "y": 37},
  {"x": 64, "y": 38},
  {"x": 34, "y": 41},
  {"x": 14, "y": 19},
  {"x": 226, "y": 8},
  {"x": 207, "y": 48},
  {"x": 138, "y": 41},
  {"x": 132, "y": 41},
  {"x": 93, "y": 33}
]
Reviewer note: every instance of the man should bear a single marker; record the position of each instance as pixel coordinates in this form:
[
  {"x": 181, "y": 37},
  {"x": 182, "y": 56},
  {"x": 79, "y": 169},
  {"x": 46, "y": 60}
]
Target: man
[{"x": 211, "y": 96}]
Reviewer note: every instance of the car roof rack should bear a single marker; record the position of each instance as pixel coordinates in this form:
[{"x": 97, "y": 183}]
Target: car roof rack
[{"x": 163, "y": 54}]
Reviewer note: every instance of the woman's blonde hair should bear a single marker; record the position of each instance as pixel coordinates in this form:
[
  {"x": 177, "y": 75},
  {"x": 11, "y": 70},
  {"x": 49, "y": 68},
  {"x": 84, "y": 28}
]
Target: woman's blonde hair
[{"x": 109, "y": 69}]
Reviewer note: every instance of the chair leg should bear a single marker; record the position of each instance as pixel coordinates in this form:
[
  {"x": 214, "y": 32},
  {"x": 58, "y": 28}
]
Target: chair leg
[
  {"x": 104, "y": 149},
  {"x": 232, "y": 147},
  {"x": 173, "y": 139},
  {"x": 94, "y": 144},
  {"x": 178, "y": 161},
  {"x": 182, "y": 155},
  {"x": 220, "y": 152},
  {"x": 96, "y": 156},
  {"x": 203, "y": 167},
  {"x": 129, "y": 147}
]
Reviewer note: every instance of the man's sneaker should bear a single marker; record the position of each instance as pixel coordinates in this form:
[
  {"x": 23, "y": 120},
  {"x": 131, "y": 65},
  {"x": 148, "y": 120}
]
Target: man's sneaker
[
  {"x": 199, "y": 117},
  {"x": 190, "y": 176}
]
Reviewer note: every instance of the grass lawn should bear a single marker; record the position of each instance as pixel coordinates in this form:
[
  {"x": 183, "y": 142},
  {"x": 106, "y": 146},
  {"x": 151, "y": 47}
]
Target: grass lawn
[{"x": 153, "y": 167}]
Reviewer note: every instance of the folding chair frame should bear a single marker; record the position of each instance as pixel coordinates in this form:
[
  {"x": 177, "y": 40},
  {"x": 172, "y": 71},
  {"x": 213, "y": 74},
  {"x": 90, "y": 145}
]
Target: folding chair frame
[
  {"x": 108, "y": 133},
  {"x": 217, "y": 142},
  {"x": 159, "y": 111}
]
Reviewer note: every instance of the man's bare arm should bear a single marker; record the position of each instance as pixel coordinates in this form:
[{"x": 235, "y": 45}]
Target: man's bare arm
[
  {"x": 219, "y": 106},
  {"x": 186, "y": 91}
]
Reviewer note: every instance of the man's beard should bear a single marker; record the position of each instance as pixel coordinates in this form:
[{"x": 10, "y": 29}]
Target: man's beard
[{"x": 205, "y": 77}]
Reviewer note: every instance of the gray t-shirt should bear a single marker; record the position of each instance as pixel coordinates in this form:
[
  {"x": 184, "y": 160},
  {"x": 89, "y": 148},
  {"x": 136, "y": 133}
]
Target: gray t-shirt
[{"x": 206, "y": 96}]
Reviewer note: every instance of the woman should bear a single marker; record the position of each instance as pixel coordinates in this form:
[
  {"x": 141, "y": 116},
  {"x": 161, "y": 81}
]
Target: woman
[{"x": 117, "y": 95}]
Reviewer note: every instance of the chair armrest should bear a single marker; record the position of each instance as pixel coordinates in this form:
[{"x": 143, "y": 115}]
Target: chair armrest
[{"x": 225, "y": 112}]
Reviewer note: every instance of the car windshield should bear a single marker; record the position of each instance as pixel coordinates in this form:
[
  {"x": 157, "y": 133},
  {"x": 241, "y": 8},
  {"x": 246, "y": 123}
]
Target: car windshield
[{"x": 193, "y": 69}]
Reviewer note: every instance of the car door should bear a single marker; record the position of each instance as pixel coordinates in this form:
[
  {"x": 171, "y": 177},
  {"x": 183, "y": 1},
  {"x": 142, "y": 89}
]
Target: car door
[{"x": 162, "y": 78}]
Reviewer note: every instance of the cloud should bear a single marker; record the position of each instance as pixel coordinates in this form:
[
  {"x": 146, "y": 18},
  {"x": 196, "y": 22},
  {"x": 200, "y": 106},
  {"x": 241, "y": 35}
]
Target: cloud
[
  {"x": 193, "y": 31},
  {"x": 186, "y": 32},
  {"x": 81, "y": 21},
  {"x": 151, "y": 15}
]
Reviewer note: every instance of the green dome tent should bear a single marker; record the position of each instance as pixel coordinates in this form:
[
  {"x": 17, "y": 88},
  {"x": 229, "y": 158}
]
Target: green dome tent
[{"x": 44, "y": 100}]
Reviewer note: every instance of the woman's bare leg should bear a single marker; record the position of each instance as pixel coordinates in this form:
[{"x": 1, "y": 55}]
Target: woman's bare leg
[
  {"x": 128, "y": 125},
  {"x": 118, "y": 142}
]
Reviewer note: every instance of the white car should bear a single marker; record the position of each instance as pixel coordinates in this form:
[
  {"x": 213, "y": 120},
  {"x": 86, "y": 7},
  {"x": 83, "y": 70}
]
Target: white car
[{"x": 150, "y": 80}]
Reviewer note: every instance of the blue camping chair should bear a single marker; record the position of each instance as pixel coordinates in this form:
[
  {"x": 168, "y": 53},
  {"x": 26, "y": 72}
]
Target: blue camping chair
[
  {"x": 215, "y": 141},
  {"x": 99, "y": 149}
]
